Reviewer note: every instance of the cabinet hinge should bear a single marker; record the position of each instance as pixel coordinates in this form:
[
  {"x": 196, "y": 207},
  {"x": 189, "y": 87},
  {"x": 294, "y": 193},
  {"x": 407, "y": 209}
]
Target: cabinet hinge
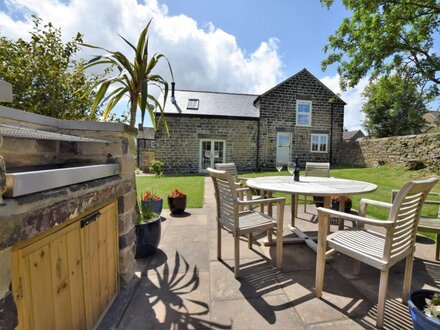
[{"x": 88, "y": 220}]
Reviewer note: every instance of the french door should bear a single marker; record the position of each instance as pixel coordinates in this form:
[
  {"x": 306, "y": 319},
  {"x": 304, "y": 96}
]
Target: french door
[{"x": 211, "y": 153}]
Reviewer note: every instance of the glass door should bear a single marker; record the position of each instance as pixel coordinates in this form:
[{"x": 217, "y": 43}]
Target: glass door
[{"x": 211, "y": 153}]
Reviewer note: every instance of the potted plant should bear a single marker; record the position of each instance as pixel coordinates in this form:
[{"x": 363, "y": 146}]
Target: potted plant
[
  {"x": 148, "y": 232},
  {"x": 177, "y": 201},
  {"x": 424, "y": 307},
  {"x": 335, "y": 204},
  {"x": 152, "y": 201}
]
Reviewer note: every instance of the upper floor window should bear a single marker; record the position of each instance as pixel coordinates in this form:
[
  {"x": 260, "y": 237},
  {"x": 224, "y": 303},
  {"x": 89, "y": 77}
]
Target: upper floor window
[
  {"x": 303, "y": 113},
  {"x": 319, "y": 143}
]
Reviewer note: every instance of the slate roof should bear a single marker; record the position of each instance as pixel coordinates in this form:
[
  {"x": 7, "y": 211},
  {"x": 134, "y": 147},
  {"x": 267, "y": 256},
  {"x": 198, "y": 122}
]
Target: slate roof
[
  {"x": 352, "y": 135},
  {"x": 337, "y": 98},
  {"x": 213, "y": 104}
]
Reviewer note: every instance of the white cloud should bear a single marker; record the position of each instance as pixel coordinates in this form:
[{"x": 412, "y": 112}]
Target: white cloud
[
  {"x": 353, "y": 97},
  {"x": 205, "y": 59}
]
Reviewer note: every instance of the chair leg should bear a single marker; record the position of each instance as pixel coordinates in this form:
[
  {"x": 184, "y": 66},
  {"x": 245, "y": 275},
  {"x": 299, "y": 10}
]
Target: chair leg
[
  {"x": 269, "y": 235},
  {"x": 280, "y": 248},
  {"x": 305, "y": 203},
  {"x": 383, "y": 286},
  {"x": 219, "y": 242},
  {"x": 407, "y": 278},
  {"x": 250, "y": 238},
  {"x": 437, "y": 246},
  {"x": 236, "y": 255}
]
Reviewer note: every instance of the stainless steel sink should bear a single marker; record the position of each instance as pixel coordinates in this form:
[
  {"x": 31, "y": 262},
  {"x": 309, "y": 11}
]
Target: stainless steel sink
[{"x": 28, "y": 180}]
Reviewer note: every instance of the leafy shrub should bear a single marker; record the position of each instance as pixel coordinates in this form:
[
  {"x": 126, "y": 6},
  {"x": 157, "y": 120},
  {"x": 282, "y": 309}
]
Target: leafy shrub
[{"x": 156, "y": 168}]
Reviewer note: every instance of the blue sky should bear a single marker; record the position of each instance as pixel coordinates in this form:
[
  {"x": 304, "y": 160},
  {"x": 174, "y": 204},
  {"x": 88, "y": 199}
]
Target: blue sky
[
  {"x": 301, "y": 26},
  {"x": 245, "y": 46}
]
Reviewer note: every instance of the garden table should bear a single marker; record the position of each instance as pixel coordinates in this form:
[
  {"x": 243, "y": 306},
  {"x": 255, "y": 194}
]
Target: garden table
[{"x": 310, "y": 186}]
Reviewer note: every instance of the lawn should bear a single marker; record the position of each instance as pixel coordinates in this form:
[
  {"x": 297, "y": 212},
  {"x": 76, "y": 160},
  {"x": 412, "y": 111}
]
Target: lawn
[
  {"x": 192, "y": 186},
  {"x": 387, "y": 178}
]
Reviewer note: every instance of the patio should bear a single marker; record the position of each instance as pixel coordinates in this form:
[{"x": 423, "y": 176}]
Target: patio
[{"x": 184, "y": 286}]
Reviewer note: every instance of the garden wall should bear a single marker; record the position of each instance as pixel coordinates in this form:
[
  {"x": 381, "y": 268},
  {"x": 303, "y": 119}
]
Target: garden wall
[{"x": 397, "y": 149}]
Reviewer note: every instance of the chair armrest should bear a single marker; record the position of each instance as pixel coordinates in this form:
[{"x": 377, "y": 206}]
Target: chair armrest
[
  {"x": 242, "y": 178},
  {"x": 358, "y": 218},
  {"x": 242, "y": 189},
  {"x": 263, "y": 201},
  {"x": 376, "y": 203}
]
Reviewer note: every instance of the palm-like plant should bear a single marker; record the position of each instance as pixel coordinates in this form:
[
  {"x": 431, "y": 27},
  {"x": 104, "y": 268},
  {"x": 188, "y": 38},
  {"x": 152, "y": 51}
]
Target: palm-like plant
[{"x": 133, "y": 80}]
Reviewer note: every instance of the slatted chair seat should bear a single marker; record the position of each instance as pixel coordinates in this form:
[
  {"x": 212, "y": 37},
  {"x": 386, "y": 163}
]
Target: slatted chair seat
[
  {"x": 353, "y": 241},
  {"x": 373, "y": 248},
  {"x": 244, "y": 222},
  {"x": 251, "y": 219}
]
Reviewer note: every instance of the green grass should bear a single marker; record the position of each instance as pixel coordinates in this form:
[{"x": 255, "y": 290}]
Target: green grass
[
  {"x": 192, "y": 186},
  {"x": 387, "y": 178}
]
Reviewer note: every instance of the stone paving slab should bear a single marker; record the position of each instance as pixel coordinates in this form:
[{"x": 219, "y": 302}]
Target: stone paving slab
[{"x": 184, "y": 286}]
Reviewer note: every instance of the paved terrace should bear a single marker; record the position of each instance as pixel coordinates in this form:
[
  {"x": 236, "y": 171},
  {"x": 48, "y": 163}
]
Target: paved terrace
[{"x": 183, "y": 286}]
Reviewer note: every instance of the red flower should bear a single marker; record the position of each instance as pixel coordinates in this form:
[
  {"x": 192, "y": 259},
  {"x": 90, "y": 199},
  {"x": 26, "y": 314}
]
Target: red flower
[{"x": 176, "y": 193}]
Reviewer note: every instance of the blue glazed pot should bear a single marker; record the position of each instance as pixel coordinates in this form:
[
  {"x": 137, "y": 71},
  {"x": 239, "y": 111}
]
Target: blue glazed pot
[
  {"x": 154, "y": 205},
  {"x": 416, "y": 304}
]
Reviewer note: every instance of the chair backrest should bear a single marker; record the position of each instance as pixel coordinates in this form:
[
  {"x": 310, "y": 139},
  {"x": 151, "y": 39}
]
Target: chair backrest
[
  {"x": 318, "y": 169},
  {"x": 226, "y": 198},
  {"x": 405, "y": 213},
  {"x": 227, "y": 167}
]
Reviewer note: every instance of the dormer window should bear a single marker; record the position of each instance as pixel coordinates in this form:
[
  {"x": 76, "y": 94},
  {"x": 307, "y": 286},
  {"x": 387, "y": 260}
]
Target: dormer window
[
  {"x": 303, "y": 113},
  {"x": 193, "y": 104}
]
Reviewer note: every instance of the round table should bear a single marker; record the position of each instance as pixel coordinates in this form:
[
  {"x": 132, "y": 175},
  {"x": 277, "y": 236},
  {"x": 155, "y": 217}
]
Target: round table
[{"x": 311, "y": 186}]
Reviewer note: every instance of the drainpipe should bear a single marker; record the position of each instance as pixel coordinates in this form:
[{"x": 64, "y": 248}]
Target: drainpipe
[
  {"x": 258, "y": 144},
  {"x": 331, "y": 101}
]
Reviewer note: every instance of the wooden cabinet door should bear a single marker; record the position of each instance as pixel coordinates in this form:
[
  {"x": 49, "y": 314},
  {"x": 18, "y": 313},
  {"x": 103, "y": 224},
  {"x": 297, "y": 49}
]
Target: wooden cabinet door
[{"x": 66, "y": 279}]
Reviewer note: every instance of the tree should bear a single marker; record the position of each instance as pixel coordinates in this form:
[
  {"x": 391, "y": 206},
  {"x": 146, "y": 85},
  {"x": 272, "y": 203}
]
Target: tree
[
  {"x": 134, "y": 80},
  {"x": 394, "y": 106},
  {"x": 384, "y": 35},
  {"x": 44, "y": 77}
]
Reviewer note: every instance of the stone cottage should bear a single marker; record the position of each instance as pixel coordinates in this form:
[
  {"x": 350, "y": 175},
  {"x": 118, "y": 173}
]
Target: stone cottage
[{"x": 300, "y": 117}]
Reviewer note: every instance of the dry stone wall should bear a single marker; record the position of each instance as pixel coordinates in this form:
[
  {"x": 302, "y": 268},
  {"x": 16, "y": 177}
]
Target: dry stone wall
[{"x": 400, "y": 149}]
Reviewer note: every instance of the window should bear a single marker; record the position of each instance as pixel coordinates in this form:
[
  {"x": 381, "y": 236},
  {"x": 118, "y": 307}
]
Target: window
[
  {"x": 319, "y": 143},
  {"x": 303, "y": 113},
  {"x": 193, "y": 104}
]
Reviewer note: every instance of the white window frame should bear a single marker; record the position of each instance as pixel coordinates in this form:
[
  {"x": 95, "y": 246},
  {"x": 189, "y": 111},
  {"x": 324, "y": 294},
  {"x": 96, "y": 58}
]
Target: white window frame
[
  {"x": 319, "y": 143},
  {"x": 201, "y": 170},
  {"x": 310, "y": 112}
]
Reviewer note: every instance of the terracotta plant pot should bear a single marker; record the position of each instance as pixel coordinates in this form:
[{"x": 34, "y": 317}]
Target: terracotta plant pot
[
  {"x": 348, "y": 205},
  {"x": 177, "y": 205},
  {"x": 148, "y": 237}
]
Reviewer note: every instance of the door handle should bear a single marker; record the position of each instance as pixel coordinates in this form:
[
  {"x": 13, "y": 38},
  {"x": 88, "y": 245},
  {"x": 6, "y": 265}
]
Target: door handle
[{"x": 88, "y": 220}]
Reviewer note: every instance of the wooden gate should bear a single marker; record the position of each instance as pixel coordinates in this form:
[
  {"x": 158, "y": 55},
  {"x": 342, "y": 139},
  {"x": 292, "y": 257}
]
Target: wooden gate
[{"x": 66, "y": 278}]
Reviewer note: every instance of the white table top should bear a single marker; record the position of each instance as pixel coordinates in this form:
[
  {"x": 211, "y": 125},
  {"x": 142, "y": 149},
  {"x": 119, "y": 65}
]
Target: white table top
[{"x": 310, "y": 185}]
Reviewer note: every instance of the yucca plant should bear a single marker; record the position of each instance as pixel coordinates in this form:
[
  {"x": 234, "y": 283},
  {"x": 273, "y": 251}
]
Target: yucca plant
[{"x": 133, "y": 80}]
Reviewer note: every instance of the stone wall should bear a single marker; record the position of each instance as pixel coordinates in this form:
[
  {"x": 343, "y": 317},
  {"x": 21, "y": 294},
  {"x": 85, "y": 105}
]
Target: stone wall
[
  {"x": 146, "y": 153},
  {"x": 373, "y": 152},
  {"x": 278, "y": 114},
  {"x": 27, "y": 216},
  {"x": 180, "y": 151}
]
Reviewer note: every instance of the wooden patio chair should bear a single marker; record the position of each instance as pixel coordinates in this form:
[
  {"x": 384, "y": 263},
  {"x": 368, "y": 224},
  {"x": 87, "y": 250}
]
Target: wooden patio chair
[
  {"x": 244, "y": 222},
  {"x": 244, "y": 193},
  {"x": 375, "y": 249},
  {"x": 427, "y": 224},
  {"x": 316, "y": 169}
]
